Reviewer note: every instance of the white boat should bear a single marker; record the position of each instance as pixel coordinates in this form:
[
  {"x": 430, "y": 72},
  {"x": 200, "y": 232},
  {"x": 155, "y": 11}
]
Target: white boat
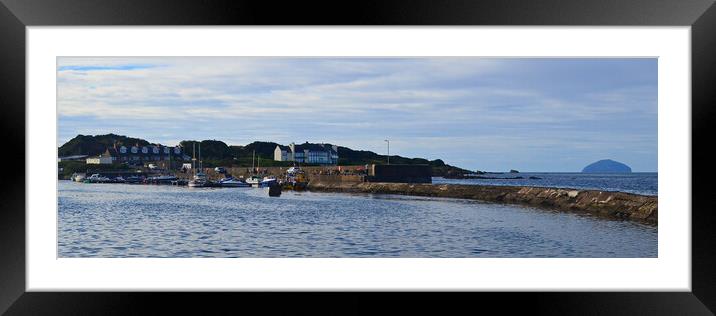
[
  {"x": 199, "y": 180},
  {"x": 196, "y": 183},
  {"x": 253, "y": 180},
  {"x": 162, "y": 178},
  {"x": 233, "y": 183},
  {"x": 78, "y": 177},
  {"x": 96, "y": 178},
  {"x": 267, "y": 182}
]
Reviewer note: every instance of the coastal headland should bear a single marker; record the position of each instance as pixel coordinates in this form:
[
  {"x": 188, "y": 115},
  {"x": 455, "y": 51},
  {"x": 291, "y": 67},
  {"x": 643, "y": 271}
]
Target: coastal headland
[{"x": 614, "y": 205}]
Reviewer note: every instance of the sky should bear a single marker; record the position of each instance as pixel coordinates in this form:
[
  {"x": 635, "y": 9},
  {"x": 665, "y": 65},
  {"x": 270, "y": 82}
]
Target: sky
[{"x": 490, "y": 114}]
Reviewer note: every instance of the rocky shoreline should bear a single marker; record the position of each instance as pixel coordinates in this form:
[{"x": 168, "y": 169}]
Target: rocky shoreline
[{"x": 615, "y": 205}]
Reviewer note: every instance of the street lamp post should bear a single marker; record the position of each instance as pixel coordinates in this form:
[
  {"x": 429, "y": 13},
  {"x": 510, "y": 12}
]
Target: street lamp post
[{"x": 387, "y": 141}]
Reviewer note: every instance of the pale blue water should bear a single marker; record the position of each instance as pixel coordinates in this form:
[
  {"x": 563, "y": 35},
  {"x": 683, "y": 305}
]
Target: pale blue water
[
  {"x": 120, "y": 220},
  {"x": 644, "y": 183}
]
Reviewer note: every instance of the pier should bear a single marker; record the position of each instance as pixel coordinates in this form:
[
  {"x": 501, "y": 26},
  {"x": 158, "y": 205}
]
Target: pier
[{"x": 614, "y": 205}]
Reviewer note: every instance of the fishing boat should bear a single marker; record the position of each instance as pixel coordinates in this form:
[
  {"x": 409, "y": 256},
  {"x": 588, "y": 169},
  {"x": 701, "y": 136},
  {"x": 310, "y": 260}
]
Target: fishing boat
[
  {"x": 232, "y": 182},
  {"x": 295, "y": 179}
]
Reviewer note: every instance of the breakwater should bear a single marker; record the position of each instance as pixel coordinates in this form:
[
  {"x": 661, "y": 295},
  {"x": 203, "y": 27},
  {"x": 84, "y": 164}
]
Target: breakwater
[{"x": 617, "y": 205}]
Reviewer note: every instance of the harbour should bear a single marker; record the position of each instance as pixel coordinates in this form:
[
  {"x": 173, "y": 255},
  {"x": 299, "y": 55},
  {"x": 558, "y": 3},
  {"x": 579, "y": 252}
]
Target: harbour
[
  {"x": 127, "y": 220},
  {"x": 604, "y": 203},
  {"x": 357, "y": 157}
]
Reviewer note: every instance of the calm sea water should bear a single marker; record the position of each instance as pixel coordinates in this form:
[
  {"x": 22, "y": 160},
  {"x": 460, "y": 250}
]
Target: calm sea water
[
  {"x": 645, "y": 183},
  {"x": 120, "y": 220}
]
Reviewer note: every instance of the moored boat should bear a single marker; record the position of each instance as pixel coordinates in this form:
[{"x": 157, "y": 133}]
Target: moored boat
[
  {"x": 78, "y": 177},
  {"x": 267, "y": 182},
  {"x": 133, "y": 179},
  {"x": 161, "y": 179},
  {"x": 253, "y": 180},
  {"x": 96, "y": 178},
  {"x": 233, "y": 183},
  {"x": 295, "y": 179},
  {"x": 199, "y": 180}
]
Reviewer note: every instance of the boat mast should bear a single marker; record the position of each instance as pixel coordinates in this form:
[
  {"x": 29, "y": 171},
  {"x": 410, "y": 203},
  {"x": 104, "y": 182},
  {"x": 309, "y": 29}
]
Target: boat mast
[
  {"x": 193, "y": 157},
  {"x": 253, "y": 167}
]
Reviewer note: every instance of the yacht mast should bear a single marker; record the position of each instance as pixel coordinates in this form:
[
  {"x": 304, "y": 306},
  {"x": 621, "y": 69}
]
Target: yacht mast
[{"x": 193, "y": 158}]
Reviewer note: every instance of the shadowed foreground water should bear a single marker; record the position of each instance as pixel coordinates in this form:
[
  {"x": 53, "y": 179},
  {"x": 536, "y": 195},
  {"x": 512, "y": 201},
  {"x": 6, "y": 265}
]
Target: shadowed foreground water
[{"x": 119, "y": 220}]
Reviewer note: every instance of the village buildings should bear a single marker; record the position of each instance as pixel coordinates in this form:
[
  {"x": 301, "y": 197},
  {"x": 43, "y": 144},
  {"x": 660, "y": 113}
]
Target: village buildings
[
  {"x": 324, "y": 154},
  {"x": 138, "y": 154}
]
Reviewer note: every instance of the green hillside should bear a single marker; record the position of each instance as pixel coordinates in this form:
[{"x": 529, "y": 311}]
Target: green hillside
[
  {"x": 217, "y": 153},
  {"x": 95, "y": 145}
]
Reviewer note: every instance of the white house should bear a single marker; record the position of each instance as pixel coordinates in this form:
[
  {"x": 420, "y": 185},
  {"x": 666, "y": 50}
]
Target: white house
[
  {"x": 324, "y": 154},
  {"x": 99, "y": 160}
]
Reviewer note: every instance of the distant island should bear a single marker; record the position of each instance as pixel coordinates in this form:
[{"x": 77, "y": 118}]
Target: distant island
[{"x": 607, "y": 166}]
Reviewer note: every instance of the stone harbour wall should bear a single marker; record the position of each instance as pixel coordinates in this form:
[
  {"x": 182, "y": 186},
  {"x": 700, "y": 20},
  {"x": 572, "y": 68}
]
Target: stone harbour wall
[{"x": 616, "y": 205}]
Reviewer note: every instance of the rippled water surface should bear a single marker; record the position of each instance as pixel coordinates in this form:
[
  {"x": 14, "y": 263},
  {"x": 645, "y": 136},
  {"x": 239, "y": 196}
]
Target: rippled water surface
[{"x": 119, "y": 220}]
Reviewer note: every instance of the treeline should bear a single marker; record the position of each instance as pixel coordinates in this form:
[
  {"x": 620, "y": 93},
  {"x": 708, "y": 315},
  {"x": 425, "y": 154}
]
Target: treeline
[
  {"x": 217, "y": 153},
  {"x": 95, "y": 145}
]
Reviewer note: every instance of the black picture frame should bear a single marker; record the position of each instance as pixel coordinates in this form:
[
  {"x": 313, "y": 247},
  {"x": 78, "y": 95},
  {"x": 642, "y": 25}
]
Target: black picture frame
[{"x": 15, "y": 15}]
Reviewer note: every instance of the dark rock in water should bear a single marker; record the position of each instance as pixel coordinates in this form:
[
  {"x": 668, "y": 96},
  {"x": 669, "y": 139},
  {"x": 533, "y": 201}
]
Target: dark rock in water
[
  {"x": 275, "y": 190},
  {"x": 607, "y": 166},
  {"x": 514, "y": 171},
  {"x": 535, "y": 178}
]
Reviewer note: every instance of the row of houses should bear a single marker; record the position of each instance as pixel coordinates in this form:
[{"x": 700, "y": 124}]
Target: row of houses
[
  {"x": 138, "y": 154},
  {"x": 323, "y": 154}
]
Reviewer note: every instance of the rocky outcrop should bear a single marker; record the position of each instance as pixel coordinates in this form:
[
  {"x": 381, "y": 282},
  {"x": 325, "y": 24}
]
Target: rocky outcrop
[{"x": 617, "y": 205}]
